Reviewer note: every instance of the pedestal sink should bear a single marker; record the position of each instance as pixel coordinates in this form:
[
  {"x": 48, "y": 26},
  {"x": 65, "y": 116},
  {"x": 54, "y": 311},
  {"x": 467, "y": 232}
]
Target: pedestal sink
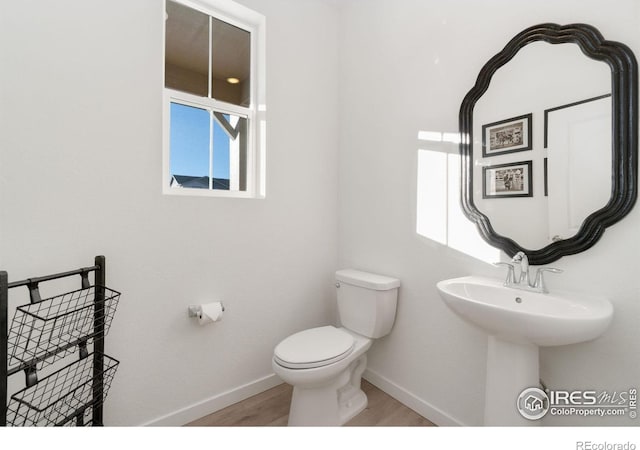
[{"x": 518, "y": 323}]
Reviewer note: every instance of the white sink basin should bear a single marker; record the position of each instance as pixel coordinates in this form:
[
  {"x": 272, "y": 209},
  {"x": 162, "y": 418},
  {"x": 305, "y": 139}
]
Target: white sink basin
[
  {"x": 557, "y": 318},
  {"x": 518, "y": 323}
]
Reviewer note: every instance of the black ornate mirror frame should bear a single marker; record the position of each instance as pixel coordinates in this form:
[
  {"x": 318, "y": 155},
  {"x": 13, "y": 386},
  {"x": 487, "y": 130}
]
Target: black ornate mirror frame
[{"x": 624, "y": 176}]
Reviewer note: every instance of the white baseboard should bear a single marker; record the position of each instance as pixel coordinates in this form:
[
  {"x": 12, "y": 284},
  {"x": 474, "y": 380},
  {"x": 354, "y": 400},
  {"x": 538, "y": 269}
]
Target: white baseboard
[
  {"x": 227, "y": 398},
  {"x": 215, "y": 403},
  {"x": 410, "y": 400}
]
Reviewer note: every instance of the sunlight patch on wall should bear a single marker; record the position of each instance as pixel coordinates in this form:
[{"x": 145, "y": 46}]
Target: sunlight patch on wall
[
  {"x": 463, "y": 234},
  {"x": 432, "y": 196},
  {"x": 439, "y": 215},
  {"x": 437, "y": 136}
]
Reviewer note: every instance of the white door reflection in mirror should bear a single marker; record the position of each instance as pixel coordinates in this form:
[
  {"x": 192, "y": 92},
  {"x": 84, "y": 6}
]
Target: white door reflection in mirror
[{"x": 578, "y": 175}]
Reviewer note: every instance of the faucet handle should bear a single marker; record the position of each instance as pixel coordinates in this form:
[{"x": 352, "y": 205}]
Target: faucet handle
[
  {"x": 511, "y": 276},
  {"x": 518, "y": 257},
  {"x": 539, "y": 283}
]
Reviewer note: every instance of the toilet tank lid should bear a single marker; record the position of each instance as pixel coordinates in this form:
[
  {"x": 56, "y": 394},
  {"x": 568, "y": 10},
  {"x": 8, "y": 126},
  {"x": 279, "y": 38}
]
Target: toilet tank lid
[{"x": 367, "y": 280}]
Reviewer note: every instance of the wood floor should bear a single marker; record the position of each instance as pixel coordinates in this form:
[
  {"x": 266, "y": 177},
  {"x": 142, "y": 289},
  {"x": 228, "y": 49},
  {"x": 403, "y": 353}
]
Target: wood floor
[{"x": 271, "y": 408}]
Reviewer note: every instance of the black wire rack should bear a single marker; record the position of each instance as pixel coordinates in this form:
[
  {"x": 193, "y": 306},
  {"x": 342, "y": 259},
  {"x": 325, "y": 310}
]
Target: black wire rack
[
  {"x": 63, "y": 397},
  {"x": 45, "y": 331}
]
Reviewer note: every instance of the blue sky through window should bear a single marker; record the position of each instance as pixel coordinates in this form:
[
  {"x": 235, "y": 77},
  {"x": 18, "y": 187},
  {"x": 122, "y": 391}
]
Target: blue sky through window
[
  {"x": 189, "y": 143},
  {"x": 220, "y": 151}
]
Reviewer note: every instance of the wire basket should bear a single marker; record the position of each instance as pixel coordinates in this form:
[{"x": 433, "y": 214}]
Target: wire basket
[
  {"x": 46, "y": 331},
  {"x": 65, "y": 397}
]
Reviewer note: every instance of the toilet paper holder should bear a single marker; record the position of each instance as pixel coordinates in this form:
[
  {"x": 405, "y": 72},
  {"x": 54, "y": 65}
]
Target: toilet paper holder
[{"x": 196, "y": 310}]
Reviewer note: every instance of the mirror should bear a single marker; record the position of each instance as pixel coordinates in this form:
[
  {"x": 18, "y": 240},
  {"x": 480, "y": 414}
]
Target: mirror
[{"x": 549, "y": 141}]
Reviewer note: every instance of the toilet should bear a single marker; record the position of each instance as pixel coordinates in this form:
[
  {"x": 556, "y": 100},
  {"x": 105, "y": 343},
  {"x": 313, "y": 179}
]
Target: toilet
[{"x": 325, "y": 364}]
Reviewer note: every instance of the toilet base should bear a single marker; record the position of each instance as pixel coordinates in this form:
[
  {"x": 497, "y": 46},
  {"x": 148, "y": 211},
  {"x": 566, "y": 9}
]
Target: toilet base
[
  {"x": 332, "y": 404},
  {"x": 353, "y": 405}
]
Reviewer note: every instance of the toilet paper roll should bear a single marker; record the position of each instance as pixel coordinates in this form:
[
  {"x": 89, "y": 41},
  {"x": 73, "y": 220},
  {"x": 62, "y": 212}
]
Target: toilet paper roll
[{"x": 211, "y": 312}]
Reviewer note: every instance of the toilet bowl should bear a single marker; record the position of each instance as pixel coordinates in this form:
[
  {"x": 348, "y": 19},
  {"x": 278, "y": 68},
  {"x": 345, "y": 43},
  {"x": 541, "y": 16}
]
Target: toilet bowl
[
  {"x": 325, "y": 364},
  {"x": 327, "y": 391}
]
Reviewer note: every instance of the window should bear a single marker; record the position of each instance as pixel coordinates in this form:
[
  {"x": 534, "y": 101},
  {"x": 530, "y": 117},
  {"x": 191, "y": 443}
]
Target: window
[{"x": 214, "y": 110}]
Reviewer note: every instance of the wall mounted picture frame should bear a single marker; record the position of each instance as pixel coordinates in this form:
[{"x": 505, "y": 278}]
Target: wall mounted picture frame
[
  {"x": 546, "y": 178},
  {"x": 507, "y": 136},
  {"x": 508, "y": 180}
]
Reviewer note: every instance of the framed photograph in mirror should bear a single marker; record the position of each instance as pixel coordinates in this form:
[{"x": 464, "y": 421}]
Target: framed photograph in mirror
[
  {"x": 507, "y": 136},
  {"x": 546, "y": 179},
  {"x": 507, "y": 180}
]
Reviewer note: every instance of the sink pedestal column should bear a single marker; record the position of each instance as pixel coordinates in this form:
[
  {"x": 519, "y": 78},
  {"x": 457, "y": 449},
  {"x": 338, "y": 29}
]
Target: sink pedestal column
[{"x": 511, "y": 368}]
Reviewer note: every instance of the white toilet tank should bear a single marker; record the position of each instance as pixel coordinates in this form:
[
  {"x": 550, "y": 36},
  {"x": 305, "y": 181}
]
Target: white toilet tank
[{"x": 367, "y": 302}]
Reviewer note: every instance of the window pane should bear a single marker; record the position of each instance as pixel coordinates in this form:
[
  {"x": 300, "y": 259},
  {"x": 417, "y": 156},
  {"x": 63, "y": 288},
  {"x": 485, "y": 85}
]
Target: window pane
[
  {"x": 231, "y": 63},
  {"x": 187, "y": 50},
  {"x": 220, "y": 157},
  {"x": 229, "y": 152},
  {"x": 189, "y": 144}
]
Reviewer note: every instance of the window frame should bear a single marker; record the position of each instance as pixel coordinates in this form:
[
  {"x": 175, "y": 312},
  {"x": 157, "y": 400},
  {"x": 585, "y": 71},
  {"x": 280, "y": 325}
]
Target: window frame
[{"x": 253, "y": 22}]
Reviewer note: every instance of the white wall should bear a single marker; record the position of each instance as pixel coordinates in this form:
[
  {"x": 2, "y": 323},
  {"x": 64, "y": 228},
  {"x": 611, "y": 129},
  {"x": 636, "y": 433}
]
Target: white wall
[
  {"x": 405, "y": 67},
  {"x": 80, "y": 175},
  {"x": 80, "y": 170}
]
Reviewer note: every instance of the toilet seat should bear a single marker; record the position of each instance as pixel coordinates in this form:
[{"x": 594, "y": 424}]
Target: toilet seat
[{"x": 316, "y": 347}]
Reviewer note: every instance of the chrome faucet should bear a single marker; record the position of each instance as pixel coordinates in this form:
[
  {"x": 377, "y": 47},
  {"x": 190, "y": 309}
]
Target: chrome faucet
[
  {"x": 524, "y": 282},
  {"x": 521, "y": 258}
]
